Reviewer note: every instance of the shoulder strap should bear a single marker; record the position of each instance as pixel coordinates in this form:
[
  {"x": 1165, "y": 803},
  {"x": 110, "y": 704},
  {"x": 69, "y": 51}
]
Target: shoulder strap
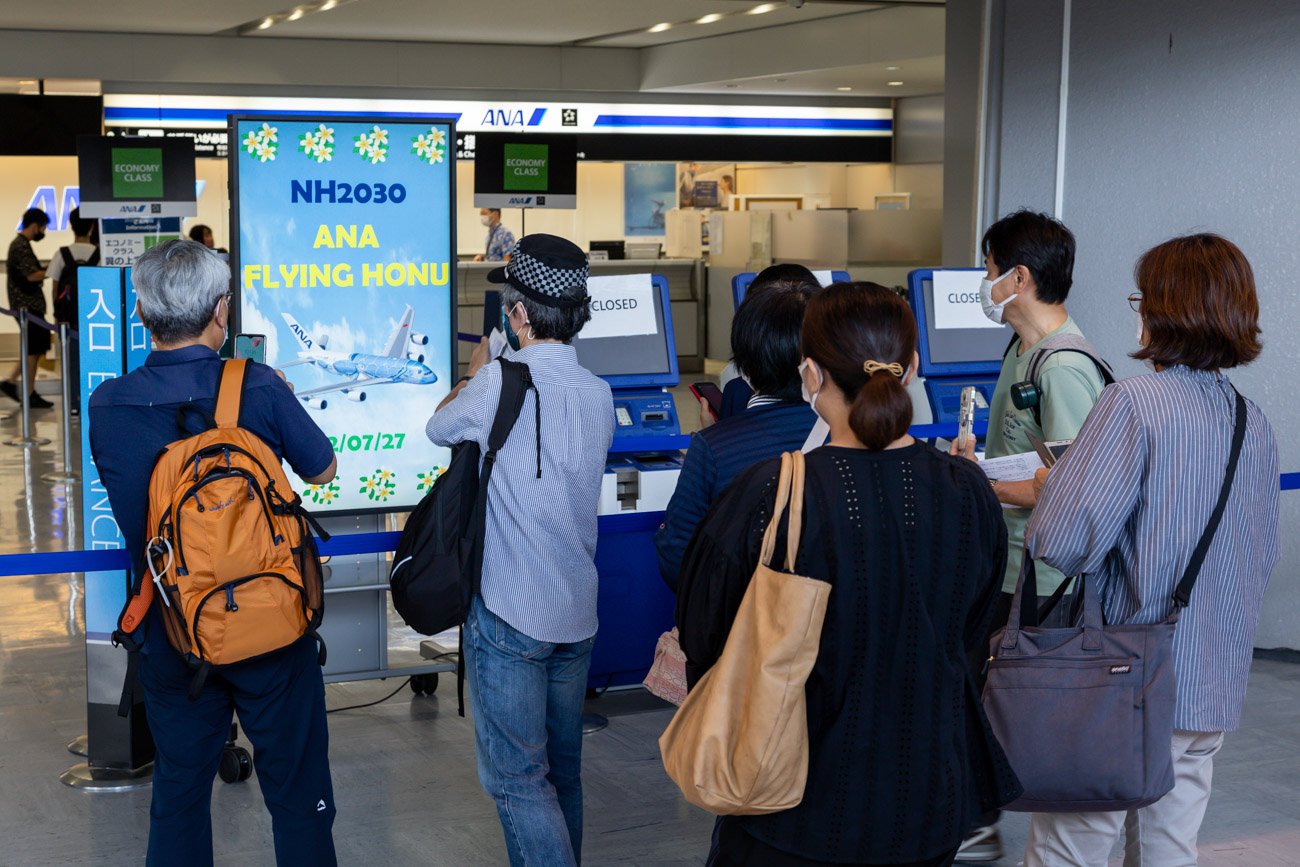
[
  {"x": 94, "y": 258},
  {"x": 795, "y": 528},
  {"x": 230, "y": 388},
  {"x": 1183, "y": 593},
  {"x": 69, "y": 261},
  {"x": 778, "y": 509}
]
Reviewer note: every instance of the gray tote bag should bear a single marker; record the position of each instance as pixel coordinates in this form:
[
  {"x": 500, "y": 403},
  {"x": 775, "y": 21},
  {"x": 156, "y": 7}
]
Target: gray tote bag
[{"x": 1085, "y": 713}]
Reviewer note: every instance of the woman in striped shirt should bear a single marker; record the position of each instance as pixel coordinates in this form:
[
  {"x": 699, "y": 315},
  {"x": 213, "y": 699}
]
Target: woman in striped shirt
[{"x": 1127, "y": 505}]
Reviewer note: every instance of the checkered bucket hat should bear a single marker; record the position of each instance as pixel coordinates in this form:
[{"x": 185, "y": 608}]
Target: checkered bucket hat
[{"x": 546, "y": 269}]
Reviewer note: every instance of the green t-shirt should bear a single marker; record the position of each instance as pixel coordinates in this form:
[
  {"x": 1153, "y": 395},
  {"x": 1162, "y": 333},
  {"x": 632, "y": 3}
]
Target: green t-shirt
[{"x": 1069, "y": 384}]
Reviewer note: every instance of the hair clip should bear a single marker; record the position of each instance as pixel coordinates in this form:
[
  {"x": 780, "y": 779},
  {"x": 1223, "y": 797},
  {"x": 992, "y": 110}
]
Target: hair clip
[{"x": 871, "y": 367}]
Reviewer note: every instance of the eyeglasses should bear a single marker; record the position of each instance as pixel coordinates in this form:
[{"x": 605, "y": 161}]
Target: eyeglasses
[{"x": 1135, "y": 301}]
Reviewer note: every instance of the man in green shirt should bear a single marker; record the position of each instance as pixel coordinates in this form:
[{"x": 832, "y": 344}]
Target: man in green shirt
[{"x": 1030, "y": 262}]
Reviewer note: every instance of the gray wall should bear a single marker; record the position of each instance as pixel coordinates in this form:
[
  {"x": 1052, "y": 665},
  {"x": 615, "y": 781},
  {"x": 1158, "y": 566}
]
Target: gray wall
[
  {"x": 918, "y": 130},
  {"x": 1182, "y": 116}
]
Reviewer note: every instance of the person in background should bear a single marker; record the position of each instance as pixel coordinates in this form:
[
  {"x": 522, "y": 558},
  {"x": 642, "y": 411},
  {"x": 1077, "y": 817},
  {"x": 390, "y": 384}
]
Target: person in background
[
  {"x": 500, "y": 240},
  {"x": 1126, "y": 506},
  {"x": 726, "y": 189},
  {"x": 900, "y": 755},
  {"x": 64, "y": 267},
  {"x": 1029, "y": 259},
  {"x": 736, "y": 392},
  {"x": 530, "y": 629},
  {"x": 26, "y": 279},
  {"x": 184, "y": 301},
  {"x": 203, "y": 235},
  {"x": 765, "y": 339}
]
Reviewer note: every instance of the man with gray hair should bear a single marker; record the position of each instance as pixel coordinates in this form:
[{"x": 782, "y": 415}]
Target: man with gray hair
[{"x": 184, "y": 301}]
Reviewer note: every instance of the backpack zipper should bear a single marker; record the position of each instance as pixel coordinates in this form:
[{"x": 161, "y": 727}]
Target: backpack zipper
[{"x": 229, "y": 589}]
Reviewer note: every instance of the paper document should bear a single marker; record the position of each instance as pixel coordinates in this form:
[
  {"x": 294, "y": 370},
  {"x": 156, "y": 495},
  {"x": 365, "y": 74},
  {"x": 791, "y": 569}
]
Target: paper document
[{"x": 1012, "y": 468}]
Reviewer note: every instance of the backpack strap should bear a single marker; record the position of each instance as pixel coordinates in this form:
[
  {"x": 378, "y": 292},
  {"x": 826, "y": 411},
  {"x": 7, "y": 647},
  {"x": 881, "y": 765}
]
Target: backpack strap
[
  {"x": 94, "y": 258},
  {"x": 1183, "y": 593},
  {"x": 69, "y": 261},
  {"x": 1064, "y": 343},
  {"x": 516, "y": 381},
  {"x": 230, "y": 389}
]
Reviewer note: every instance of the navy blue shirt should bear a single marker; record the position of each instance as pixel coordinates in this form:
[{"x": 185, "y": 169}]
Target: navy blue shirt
[
  {"x": 134, "y": 417},
  {"x": 717, "y": 455}
]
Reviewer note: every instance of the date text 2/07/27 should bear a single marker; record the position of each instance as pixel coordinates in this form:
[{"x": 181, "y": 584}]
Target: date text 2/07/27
[{"x": 377, "y": 442}]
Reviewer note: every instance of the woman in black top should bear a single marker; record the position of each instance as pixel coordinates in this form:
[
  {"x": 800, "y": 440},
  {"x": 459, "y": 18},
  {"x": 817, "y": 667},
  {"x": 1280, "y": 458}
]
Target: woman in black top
[{"x": 901, "y": 758}]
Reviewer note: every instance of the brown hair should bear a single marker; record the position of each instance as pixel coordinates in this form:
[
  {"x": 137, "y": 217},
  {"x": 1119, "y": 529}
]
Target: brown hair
[
  {"x": 1199, "y": 306},
  {"x": 848, "y": 324}
]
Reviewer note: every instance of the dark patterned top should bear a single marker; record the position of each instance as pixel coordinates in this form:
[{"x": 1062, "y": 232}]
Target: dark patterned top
[
  {"x": 23, "y": 293},
  {"x": 901, "y": 758}
]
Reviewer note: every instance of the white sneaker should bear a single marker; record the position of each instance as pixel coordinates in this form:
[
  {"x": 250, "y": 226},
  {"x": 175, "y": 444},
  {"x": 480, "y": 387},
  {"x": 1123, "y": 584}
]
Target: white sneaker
[{"x": 982, "y": 845}]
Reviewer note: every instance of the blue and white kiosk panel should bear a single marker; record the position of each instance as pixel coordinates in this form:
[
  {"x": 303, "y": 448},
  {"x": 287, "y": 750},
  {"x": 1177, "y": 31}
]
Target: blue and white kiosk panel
[
  {"x": 741, "y": 282},
  {"x": 629, "y": 343},
  {"x": 958, "y": 344}
]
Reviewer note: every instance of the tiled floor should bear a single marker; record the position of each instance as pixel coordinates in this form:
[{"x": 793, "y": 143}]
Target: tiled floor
[{"x": 404, "y": 770}]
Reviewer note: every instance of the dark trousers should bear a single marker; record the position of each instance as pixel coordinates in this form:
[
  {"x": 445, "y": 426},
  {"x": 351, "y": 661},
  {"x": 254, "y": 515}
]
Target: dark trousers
[
  {"x": 737, "y": 849},
  {"x": 280, "y": 700}
]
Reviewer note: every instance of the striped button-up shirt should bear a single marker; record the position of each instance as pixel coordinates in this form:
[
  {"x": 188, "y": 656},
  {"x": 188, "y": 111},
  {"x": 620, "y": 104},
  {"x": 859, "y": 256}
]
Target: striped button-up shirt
[
  {"x": 539, "y": 571},
  {"x": 1130, "y": 500}
]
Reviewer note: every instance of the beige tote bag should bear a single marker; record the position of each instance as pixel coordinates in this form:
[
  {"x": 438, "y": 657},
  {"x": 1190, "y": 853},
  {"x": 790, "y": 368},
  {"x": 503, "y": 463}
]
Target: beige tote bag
[{"x": 738, "y": 745}]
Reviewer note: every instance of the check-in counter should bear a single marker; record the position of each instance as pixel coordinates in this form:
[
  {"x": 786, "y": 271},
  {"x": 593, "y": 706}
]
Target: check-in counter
[{"x": 685, "y": 288}]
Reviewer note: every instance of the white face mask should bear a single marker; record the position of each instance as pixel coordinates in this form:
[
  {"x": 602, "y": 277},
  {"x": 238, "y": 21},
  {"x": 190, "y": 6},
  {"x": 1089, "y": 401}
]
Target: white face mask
[
  {"x": 810, "y": 399},
  {"x": 993, "y": 310},
  {"x": 485, "y": 220}
]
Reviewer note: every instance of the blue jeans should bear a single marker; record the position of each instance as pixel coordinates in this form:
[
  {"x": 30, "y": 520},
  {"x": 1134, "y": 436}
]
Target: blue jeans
[
  {"x": 281, "y": 704},
  {"x": 527, "y": 699}
]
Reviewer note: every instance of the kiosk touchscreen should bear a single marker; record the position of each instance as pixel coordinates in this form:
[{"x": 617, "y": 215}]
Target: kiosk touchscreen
[
  {"x": 741, "y": 282},
  {"x": 957, "y": 343}
]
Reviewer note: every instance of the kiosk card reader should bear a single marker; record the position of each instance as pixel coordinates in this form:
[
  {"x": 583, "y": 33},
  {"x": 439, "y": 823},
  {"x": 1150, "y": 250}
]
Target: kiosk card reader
[
  {"x": 957, "y": 343},
  {"x": 741, "y": 282}
]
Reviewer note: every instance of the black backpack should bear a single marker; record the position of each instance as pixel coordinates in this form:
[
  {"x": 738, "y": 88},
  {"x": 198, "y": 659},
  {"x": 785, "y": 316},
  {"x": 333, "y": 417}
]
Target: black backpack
[
  {"x": 65, "y": 293},
  {"x": 439, "y": 559}
]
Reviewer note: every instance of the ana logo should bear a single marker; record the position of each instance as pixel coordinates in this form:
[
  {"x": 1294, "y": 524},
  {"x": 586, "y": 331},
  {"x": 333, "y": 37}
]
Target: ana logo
[
  {"x": 519, "y": 201},
  {"x": 302, "y": 335},
  {"x": 509, "y": 117},
  {"x": 1120, "y": 669},
  {"x": 132, "y": 209}
]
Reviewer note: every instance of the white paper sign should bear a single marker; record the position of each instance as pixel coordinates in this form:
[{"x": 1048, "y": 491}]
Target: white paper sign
[
  {"x": 622, "y": 305},
  {"x": 957, "y": 301}
]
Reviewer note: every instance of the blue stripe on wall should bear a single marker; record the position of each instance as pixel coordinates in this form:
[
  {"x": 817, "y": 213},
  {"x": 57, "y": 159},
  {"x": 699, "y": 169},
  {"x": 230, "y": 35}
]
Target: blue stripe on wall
[
  {"x": 827, "y": 123},
  {"x": 122, "y": 112}
]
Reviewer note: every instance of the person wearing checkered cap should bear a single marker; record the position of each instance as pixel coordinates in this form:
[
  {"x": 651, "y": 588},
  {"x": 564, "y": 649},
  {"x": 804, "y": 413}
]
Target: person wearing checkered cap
[{"x": 530, "y": 630}]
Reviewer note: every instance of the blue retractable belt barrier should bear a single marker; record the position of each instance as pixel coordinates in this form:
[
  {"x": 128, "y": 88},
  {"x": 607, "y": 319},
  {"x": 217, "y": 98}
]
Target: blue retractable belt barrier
[{"x": 116, "y": 559}]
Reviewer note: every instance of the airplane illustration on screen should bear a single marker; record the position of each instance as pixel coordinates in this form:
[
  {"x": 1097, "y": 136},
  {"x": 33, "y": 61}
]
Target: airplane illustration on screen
[{"x": 402, "y": 361}]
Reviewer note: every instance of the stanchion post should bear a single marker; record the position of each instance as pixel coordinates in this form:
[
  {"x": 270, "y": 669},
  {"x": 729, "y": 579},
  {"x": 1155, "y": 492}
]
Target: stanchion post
[
  {"x": 24, "y": 399},
  {"x": 65, "y": 370}
]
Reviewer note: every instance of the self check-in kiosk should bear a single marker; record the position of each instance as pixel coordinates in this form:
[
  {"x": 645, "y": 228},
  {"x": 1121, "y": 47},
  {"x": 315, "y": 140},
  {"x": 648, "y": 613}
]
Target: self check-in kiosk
[
  {"x": 957, "y": 343},
  {"x": 629, "y": 343},
  {"x": 741, "y": 282}
]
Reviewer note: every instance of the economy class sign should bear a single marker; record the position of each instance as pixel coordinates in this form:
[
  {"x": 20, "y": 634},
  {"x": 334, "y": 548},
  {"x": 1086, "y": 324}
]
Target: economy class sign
[{"x": 345, "y": 261}]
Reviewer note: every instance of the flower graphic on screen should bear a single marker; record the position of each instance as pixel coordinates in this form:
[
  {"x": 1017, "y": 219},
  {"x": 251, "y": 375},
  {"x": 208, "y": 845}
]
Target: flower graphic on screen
[
  {"x": 430, "y": 146},
  {"x": 380, "y": 485},
  {"x": 262, "y": 143},
  {"x": 373, "y": 145},
  {"x": 323, "y": 495},
  {"x": 425, "y": 480},
  {"x": 318, "y": 144}
]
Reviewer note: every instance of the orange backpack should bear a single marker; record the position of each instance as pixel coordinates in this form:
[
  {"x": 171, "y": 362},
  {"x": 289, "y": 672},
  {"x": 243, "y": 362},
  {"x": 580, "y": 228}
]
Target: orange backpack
[{"x": 233, "y": 564}]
